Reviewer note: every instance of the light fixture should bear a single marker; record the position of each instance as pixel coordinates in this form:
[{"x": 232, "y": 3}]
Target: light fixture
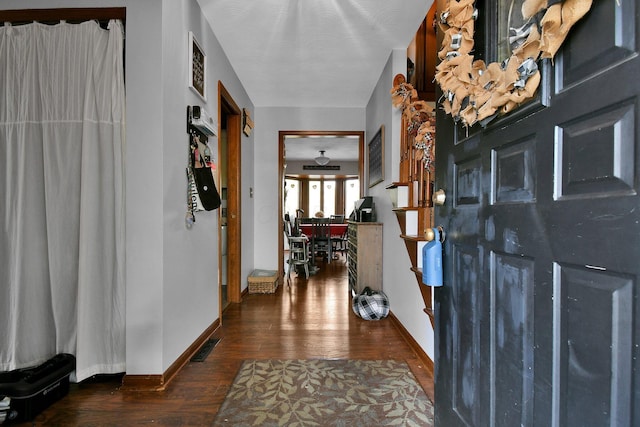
[{"x": 322, "y": 159}]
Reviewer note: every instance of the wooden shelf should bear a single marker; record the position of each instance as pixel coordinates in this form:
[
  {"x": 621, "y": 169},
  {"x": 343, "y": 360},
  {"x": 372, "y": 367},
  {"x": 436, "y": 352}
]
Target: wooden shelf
[
  {"x": 406, "y": 209},
  {"x": 414, "y": 238},
  {"x": 397, "y": 184},
  {"x": 414, "y": 244}
]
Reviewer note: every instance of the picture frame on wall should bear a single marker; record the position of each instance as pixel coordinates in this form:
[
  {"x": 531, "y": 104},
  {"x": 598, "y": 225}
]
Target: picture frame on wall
[
  {"x": 197, "y": 68},
  {"x": 375, "y": 158}
]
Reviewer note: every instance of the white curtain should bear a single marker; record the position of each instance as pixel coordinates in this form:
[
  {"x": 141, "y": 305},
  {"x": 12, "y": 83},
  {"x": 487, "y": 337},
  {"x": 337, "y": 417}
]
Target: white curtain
[{"x": 62, "y": 196}]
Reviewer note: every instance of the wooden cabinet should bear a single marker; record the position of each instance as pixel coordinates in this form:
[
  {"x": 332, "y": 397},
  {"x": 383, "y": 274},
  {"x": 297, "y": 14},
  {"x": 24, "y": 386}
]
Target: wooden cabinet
[{"x": 364, "y": 255}]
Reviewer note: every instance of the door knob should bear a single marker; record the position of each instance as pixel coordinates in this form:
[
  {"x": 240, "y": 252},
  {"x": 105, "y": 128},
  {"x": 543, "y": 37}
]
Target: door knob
[
  {"x": 439, "y": 197},
  {"x": 429, "y": 234}
]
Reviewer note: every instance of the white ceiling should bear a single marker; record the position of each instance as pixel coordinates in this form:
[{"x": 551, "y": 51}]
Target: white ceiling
[
  {"x": 336, "y": 148},
  {"x": 312, "y": 53}
]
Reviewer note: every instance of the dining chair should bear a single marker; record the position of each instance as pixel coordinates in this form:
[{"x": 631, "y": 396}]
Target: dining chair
[
  {"x": 338, "y": 242},
  {"x": 321, "y": 239},
  {"x": 298, "y": 252}
]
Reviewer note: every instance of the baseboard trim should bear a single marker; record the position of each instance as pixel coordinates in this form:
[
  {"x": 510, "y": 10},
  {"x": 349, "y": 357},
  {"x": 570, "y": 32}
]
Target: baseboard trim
[
  {"x": 142, "y": 383},
  {"x": 160, "y": 382},
  {"x": 424, "y": 357}
]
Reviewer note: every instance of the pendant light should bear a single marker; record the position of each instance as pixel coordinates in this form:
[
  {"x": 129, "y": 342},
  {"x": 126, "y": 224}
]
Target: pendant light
[{"x": 322, "y": 159}]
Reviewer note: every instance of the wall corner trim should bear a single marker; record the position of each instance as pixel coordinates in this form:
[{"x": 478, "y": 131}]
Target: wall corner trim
[{"x": 160, "y": 382}]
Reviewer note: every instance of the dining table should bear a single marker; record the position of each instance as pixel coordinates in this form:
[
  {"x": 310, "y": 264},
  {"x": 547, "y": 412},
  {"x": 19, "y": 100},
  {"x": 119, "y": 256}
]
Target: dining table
[{"x": 337, "y": 230}]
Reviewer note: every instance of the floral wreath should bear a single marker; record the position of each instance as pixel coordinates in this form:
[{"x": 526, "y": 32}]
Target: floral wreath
[{"x": 475, "y": 92}]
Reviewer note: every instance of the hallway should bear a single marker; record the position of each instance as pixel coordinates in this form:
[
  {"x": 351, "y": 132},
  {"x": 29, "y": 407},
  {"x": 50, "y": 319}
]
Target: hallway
[{"x": 308, "y": 320}]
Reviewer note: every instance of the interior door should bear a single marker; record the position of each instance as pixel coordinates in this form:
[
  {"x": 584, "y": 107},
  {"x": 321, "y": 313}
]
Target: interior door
[
  {"x": 537, "y": 321},
  {"x": 231, "y": 113}
]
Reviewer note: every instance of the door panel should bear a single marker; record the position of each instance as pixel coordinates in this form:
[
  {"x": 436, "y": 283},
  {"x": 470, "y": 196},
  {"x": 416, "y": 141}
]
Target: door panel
[
  {"x": 466, "y": 357},
  {"x": 601, "y": 42},
  {"x": 537, "y": 322},
  {"x": 596, "y": 370},
  {"x": 511, "y": 341},
  {"x": 513, "y": 178},
  {"x": 594, "y": 153}
]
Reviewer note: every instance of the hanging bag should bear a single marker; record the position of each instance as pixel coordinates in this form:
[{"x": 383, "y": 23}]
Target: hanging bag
[
  {"x": 207, "y": 190},
  {"x": 205, "y": 183}
]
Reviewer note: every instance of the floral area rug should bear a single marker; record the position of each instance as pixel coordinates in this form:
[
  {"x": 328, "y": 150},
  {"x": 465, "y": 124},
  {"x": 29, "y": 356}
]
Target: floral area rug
[{"x": 325, "y": 393}]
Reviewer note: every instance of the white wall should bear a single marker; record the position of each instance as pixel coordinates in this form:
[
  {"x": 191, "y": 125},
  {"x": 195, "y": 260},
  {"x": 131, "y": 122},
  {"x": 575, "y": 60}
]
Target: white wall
[
  {"x": 221, "y": 70},
  {"x": 190, "y": 256},
  {"x": 171, "y": 272},
  {"x": 269, "y": 121},
  {"x": 399, "y": 282},
  {"x": 144, "y": 276}
]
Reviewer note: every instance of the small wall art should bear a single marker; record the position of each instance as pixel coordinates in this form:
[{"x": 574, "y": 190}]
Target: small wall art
[
  {"x": 197, "y": 68},
  {"x": 375, "y": 158},
  {"x": 247, "y": 123}
]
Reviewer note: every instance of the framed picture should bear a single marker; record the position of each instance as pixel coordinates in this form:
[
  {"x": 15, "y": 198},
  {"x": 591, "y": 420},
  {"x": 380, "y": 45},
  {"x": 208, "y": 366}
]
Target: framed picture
[
  {"x": 197, "y": 68},
  {"x": 375, "y": 158}
]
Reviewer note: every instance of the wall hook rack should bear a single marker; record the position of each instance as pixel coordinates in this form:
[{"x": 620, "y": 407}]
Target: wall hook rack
[{"x": 200, "y": 121}]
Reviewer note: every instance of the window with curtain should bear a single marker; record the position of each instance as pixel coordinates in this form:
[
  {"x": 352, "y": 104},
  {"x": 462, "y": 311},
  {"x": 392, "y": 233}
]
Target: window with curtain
[
  {"x": 291, "y": 196},
  {"x": 315, "y": 197},
  {"x": 351, "y": 195},
  {"x": 331, "y": 196},
  {"x": 62, "y": 187},
  {"x": 322, "y": 197}
]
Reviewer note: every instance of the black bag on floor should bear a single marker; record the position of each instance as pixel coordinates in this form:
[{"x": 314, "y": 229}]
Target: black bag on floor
[{"x": 27, "y": 392}]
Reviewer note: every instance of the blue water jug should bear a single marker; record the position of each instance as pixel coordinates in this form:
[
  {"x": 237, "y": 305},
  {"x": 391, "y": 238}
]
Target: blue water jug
[{"x": 432, "y": 261}]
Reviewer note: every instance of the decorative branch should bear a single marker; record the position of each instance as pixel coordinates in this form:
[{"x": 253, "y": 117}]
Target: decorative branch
[{"x": 420, "y": 119}]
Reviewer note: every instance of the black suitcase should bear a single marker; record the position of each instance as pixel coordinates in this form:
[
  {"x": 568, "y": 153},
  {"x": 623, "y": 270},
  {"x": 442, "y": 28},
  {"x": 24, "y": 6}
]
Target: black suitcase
[{"x": 25, "y": 393}]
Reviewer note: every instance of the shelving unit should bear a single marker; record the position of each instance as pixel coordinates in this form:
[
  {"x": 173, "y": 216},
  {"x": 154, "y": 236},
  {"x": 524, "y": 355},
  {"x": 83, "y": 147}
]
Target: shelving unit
[
  {"x": 411, "y": 200},
  {"x": 364, "y": 255}
]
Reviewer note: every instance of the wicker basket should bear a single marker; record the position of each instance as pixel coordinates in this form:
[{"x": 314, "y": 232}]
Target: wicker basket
[{"x": 263, "y": 282}]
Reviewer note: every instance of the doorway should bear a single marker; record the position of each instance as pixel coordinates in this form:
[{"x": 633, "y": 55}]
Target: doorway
[
  {"x": 282, "y": 166},
  {"x": 229, "y": 177}
]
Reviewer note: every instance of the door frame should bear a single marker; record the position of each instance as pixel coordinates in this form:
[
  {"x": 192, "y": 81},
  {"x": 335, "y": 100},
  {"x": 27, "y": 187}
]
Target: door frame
[
  {"x": 281, "y": 174},
  {"x": 233, "y": 115}
]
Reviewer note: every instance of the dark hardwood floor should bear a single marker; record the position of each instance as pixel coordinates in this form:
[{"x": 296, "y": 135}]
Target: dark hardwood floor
[{"x": 308, "y": 320}]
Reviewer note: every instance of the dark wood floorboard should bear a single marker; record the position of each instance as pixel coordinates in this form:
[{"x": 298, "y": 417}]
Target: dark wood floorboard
[{"x": 308, "y": 320}]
